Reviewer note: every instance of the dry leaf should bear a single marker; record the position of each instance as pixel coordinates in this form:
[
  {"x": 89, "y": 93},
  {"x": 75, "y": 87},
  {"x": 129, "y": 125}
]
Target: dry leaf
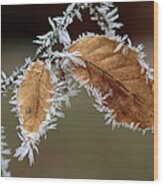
[
  {"x": 112, "y": 65},
  {"x": 33, "y": 96}
]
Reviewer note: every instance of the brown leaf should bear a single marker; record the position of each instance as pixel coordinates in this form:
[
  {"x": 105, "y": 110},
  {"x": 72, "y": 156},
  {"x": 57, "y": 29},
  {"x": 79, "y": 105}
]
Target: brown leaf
[
  {"x": 133, "y": 99},
  {"x": 33, "y": 95}
]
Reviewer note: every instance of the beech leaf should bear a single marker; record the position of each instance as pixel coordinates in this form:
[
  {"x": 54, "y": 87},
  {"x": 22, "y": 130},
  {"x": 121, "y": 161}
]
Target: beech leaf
[
  {"x": 34, "y": 93},
  {"x": 113, "y": 65}
]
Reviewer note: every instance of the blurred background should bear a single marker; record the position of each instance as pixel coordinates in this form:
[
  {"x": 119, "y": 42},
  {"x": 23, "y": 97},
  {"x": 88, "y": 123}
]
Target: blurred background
[{"x": 82, "y": 146}]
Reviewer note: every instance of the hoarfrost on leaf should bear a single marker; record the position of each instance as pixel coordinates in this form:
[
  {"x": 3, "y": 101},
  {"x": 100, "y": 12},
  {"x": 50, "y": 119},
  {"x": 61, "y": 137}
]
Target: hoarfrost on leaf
[{"x": 66, "y": 83}]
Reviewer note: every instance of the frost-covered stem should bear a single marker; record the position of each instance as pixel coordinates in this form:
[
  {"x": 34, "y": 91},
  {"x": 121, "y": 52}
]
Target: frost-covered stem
[
  {"x": 59, "y": 33},
  {"x": 104, "y": 13},
  {"x": 5, "y": 154},
  {"x": 12, "y": 79}
]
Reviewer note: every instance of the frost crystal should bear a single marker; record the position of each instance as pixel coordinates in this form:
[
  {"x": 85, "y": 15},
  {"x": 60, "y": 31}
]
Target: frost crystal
[{"x": 5, "y": 154}]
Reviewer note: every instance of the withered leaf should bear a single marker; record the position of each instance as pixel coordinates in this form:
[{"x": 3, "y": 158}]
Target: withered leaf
[
  {"x": 33, "y": 96},
  {"x": 133, "y": 99}
]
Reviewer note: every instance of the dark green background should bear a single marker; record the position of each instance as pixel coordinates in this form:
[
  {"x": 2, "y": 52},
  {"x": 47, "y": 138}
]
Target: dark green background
[{"x": 82, "y": 146}]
